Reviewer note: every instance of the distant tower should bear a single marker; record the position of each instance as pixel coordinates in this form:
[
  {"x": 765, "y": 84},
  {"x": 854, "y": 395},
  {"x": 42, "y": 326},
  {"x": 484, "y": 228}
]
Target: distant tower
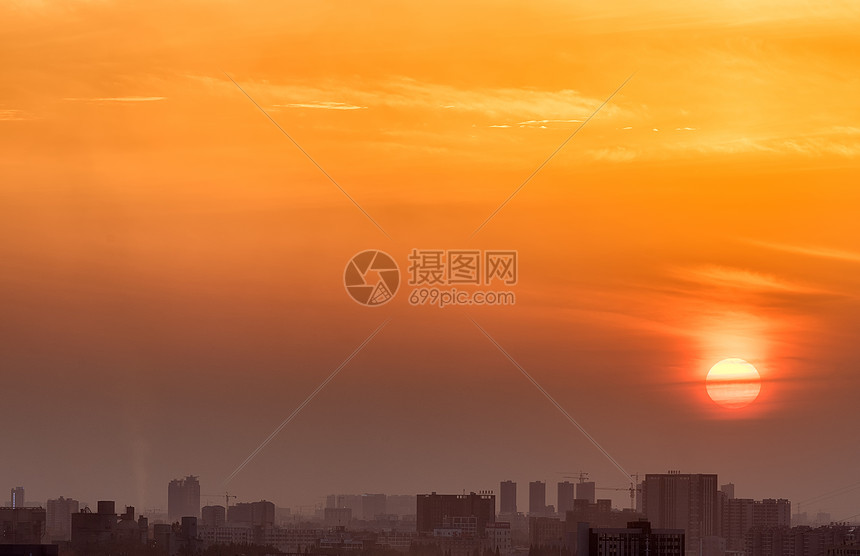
[
  {"x": 18, "y": 497},
  {"x": 687, "y": 501},
  {"x": 537, "y": 497},
  {"x": 565, "y": 497},
  {"x": 507, "y": 497},
  {"x": 183, "y": 498},
  {"x": 59, "y": 524},
  {"x": 585, "y": 491}
]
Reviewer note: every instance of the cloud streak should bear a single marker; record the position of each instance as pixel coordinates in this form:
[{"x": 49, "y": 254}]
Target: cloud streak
[
  {"x": 323, "y": 106},
  {"x": 13, "y": 116},
  {"x": 810, "y": 251},
  {"x": 116, "y": 99},
  {"x": 742, "y": 279}
]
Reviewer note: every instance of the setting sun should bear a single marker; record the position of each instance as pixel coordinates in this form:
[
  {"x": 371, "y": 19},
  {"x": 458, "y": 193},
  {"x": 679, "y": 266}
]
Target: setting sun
[{"x": 733, "y": 383}]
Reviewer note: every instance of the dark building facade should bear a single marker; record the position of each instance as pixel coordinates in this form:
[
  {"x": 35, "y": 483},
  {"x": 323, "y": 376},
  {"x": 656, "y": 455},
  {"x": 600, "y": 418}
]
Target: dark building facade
[
  {"x": 183, "y": 498},
  {"x": 59, "y": 519},
  {"x": 797, "y": 541},
  {"x": 637, "y": 539},
  {"x": 739, "y": 515},
  {"x": 566, "y": 496},
  {"x": 255, "y": 514},
  {"x": 29, "y": 550},
  {"x": 91, "y": 531},
  {"x": 22, "y": 525},
  {"x": 537, "y": 497},
  {"x": 594, "y": 515},
  {"x": 586, "y": 491},
  {"x": 683, "y": 501},
  {"x": 507, "y": 497},
  {"x": 213, "y": 516},
  {"x": 435, "y": 511}
]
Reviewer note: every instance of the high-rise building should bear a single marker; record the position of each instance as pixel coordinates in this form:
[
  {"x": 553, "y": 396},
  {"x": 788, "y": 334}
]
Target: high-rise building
[
  {"x": 685, "y": 501},
  {"x": 261, "y": 514},
  {"x": 739, "y": 515},
  {"x": 17, "y": 497},
  {"x": 507, "y": 497},
  {"x": 566, "y": 496},
  {"x": 537, "y": 497},
  {"x": 183, "y": 498},
  {"x": 437, "y": 511},
  {"x": 59, "y": 524},
  {"x": 586, "y": 491},
  {"x": 213, "y": 516},
  {"x": 637, "y": 539}
]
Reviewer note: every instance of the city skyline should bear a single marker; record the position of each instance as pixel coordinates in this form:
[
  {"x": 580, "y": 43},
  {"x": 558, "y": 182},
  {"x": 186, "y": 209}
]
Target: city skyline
[
  {"x": 186, "y": 500},
  {"x": 189, "y": 189}
]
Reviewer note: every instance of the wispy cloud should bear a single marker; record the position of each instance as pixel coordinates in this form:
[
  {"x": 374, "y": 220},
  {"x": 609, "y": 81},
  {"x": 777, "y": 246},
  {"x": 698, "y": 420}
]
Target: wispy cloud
[
  {"x": 811, "y": 251},
  {"x": 116, "y": 99},
  {"x": 513, "y": 106},
  {"x": 13, "y": 116},
  {"x": 839, "y": 141},
  {"x": 742, "y": 279},
  {"x": 323, "y": 105},
  {"x": 613, "y": 154}
]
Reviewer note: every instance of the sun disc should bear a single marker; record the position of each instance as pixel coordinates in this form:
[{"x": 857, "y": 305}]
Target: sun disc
[{"x": 733, "y": 383}]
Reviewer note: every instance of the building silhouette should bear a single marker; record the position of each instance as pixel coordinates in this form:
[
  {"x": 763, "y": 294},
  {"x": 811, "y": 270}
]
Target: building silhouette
[
  {"x": 17, "y": 498},
  {"x": 566, "y": 496},
  {"x": 685, "y": 501},
  {"x": 213, "y": 516},
  {"x": 739, "y": 515},
  {"x": 637, "y": 539},
  {"x": 797, "y": 541},
  {"x": 59, "y": 518},
  {"x": 438, "y": 511},
  {"x": 586, "y": 491},
  {"x": 92, "y": 532},
  {"x": 183, "y": 498},
  {"x": 537, "y": 497},
  {"x": 507, "y": 497},
  {"x": 21, "y": 525},
  {"x": 253, "y": 514}
]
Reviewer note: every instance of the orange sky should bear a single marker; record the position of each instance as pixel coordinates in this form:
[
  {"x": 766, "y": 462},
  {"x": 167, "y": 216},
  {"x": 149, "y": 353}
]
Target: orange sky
[{"x": 171, "y": 265}]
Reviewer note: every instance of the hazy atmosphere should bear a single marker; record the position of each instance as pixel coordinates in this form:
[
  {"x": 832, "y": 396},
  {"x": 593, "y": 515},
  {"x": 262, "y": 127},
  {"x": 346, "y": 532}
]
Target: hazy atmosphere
[{"x": 183, "y": 184}]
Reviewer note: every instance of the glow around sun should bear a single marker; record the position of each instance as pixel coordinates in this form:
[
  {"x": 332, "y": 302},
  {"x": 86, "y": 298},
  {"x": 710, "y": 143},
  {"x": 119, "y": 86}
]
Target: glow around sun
[{"x": 733, "y": 383}]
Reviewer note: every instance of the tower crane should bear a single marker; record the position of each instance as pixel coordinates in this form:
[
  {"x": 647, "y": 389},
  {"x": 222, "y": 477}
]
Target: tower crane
[
  {"x": 227, "y": 496},
  {"x": 635, "y": 489}
]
